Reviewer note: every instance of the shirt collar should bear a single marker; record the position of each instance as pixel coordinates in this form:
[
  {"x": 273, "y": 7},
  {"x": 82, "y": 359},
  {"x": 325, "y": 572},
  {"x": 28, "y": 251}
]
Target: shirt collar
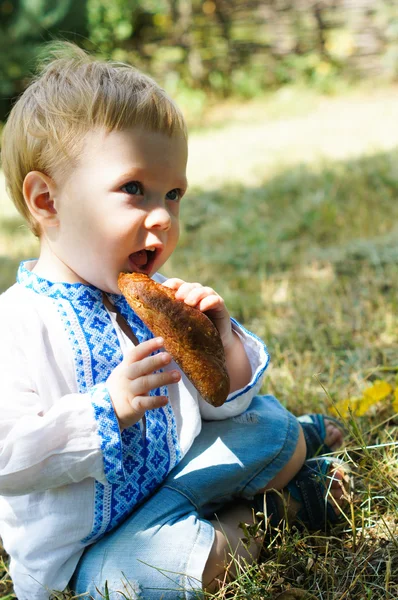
[{"x": 55, "y": 289}]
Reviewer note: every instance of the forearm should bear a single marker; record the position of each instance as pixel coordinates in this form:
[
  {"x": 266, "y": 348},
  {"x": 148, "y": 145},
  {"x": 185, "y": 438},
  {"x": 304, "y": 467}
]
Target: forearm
[
  {"x": 238, "y": 365},
  {"x": 38, "y": 452},
  {"x": 42, "y": 450},
  {"x": 240, "y": 399}
]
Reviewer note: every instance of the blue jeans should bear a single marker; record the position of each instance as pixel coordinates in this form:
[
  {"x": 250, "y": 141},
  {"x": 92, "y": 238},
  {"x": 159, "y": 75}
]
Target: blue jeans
[{"x": 161, "y": 550}]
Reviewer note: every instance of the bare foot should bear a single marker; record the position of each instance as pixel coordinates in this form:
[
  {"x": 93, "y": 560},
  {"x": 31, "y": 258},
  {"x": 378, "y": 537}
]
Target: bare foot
[
  {"x": 323, "y": 434},
  {"x": 336, "y": 491},
  {"x": 334, "y": 436}
]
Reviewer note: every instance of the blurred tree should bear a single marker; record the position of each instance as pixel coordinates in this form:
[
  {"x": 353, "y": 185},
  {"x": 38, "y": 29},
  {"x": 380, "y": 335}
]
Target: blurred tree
[
  {"x": 224, "y": 47},
  {"x": 110, "y": 23},
  {"x": 24, "y": 26}
]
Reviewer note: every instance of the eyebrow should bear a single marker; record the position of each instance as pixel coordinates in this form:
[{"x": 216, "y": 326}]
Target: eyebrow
[
  {"x": 136, "y": 174},
  {"x": 132, "y": 174}
]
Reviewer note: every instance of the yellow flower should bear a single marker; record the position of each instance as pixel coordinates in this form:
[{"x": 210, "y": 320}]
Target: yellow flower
[
  {"x": 360, "y": 406},
  {"x": 364, "y": 404},
  {"x": 372, "y": 395},
  {"x": 343, "y": 408},
  {"x": 378, "y": 391}
]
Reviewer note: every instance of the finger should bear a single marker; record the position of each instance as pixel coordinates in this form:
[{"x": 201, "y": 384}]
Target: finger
[
  {"x": 336, "y": 478},
  {"x": 140, "y": 404},
  {"x": 334, "y": 437},
  {"x": 213, "y": 302},
  {"x": 143, "y": 350},
  {"x": 173, "y": 283},
  {"x": 143, "y": 385},
  {"x": 336, "y": 482},
  {"x": 185, "y": 288},
  {"x": 196, "y": 294},
  {"x": 148, "y": 365}
]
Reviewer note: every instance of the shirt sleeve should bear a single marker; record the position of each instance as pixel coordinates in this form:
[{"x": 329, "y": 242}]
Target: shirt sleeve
[
  {"x": 42, "y": 451},
  {"x": 53, "y": 441},
  {"x": 239, "y": 400}
]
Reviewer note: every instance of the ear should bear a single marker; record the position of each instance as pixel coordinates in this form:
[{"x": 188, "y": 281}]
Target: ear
[{"x": 39, "y": 193}]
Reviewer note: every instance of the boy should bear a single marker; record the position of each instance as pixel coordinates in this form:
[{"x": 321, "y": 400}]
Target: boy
[{"x": 106, "y": 467}]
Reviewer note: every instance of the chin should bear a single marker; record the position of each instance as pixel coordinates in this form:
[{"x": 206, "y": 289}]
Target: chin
[
  {"x": 114, "y": 289},
  {"x": 109, "y": 287},
  {"x": 151, "y": 272}
]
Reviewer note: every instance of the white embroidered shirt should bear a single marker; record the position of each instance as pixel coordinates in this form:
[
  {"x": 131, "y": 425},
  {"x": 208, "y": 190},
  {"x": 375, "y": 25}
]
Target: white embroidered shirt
[{"x": 67, "y": 474}]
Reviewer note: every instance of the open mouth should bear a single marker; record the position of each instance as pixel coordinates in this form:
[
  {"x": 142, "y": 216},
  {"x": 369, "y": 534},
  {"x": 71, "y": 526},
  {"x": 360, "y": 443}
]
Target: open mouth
[{"x": 142, "y": 260}]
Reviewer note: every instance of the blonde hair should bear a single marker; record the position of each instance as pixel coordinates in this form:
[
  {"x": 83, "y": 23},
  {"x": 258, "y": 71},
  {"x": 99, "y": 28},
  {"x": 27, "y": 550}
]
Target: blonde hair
[{"x": 73, "y": 94}]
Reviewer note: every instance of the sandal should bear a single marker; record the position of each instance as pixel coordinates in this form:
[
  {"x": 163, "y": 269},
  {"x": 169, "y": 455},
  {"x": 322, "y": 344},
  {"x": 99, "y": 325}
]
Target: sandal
[
  {"x": 314, "y": 429},
  {"x": 309, "y": 489}
]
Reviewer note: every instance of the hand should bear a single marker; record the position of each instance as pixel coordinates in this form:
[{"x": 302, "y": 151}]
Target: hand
[
  {"x": 130, "y": 382},
  {"x": 207, "y": 301}
]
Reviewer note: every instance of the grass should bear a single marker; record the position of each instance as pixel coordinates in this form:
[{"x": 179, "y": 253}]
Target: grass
[{"x": 294, "y": 220}]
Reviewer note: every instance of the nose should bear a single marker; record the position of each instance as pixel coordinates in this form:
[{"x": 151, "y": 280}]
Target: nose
[{"x": 158, "y": 218}]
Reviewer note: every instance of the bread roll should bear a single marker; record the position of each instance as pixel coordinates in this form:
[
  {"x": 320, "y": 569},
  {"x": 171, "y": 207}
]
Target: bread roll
[{"x": 189, "y": 335}]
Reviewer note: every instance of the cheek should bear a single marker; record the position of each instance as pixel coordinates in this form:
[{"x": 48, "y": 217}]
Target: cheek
[
  {"x": 173, "y": 240},
  {"x": 112, "y": 224},
  {"x": 177, "y": 227},
  {"x": 117, "y": 235},
  {"x": 77, "y": 222}
]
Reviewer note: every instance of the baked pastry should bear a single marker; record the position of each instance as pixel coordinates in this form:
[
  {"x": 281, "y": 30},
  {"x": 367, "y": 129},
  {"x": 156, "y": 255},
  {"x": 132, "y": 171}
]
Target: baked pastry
[{"x": 189, "y": 335}]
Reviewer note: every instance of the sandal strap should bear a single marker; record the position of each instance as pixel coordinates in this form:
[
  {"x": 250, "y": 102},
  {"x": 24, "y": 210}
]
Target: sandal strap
[
  {"x": 314, "y": 433},
  {"x": 314, "y": 430},
  {"x": 309, "y": 488},
  {"x": 272, "y": 507}
]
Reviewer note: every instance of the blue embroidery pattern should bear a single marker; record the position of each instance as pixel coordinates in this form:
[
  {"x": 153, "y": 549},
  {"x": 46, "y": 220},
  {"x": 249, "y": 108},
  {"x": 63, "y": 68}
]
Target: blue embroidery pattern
[
  {"x": 134, "y": 466},
  {"x": 110, "y": 434}
]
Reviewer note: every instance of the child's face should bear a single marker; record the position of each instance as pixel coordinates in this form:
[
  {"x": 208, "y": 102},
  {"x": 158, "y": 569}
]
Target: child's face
[{"x": 119, "y": 209}]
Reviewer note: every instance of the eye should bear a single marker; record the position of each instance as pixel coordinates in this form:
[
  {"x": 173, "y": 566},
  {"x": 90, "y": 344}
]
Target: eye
[
  {"x": 134, "y": 188},
  {"x": 174, "y": 195}
]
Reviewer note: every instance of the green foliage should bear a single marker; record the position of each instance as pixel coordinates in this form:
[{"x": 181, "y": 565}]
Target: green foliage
[
  {"x": 247, "y": 82},
  {"x": 311, "y": 69},
  {"x": 109, "y": 22},
  {"x": 24, "y": 26},
  {"x": 222, "y": 48}
]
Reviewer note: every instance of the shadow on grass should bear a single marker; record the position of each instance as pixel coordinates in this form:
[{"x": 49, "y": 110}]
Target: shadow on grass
[
  {"x": 309, "y": 259},
  {"x": 343, "y": 213}
]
